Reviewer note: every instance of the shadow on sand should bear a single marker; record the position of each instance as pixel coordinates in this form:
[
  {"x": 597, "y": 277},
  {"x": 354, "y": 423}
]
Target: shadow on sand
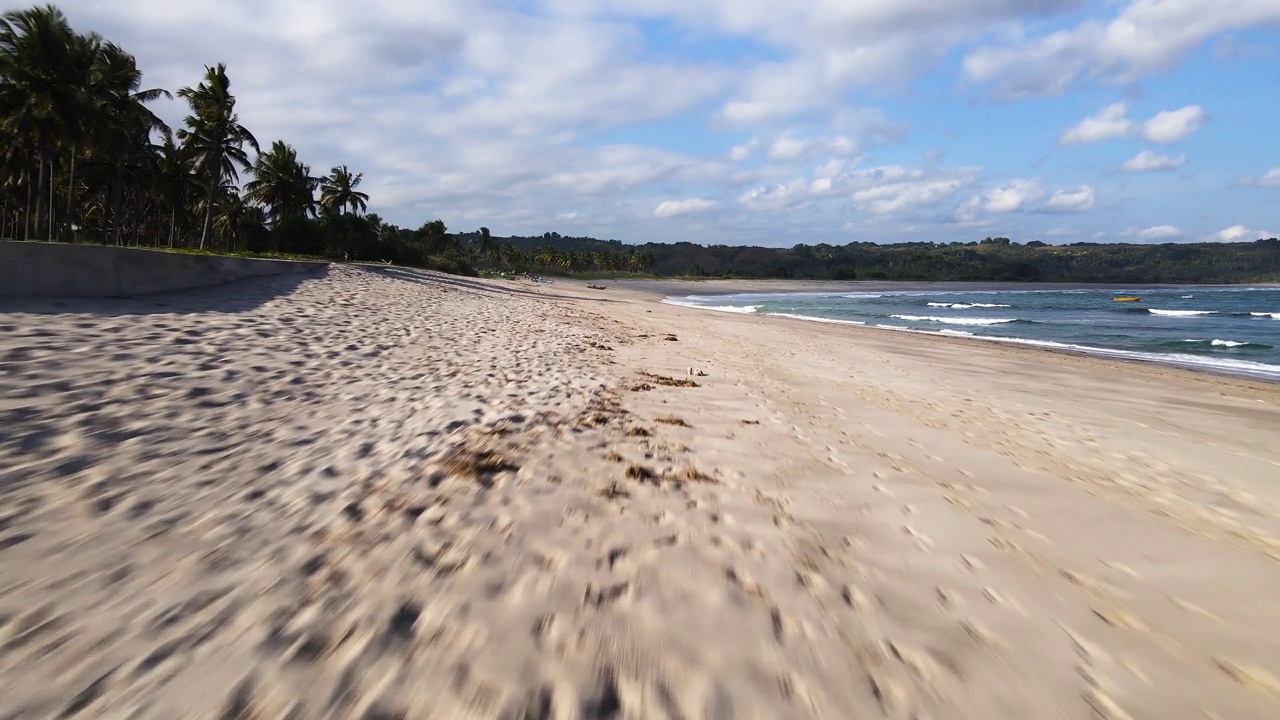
[
  {"x": 464, "y": 283},
  {"x": 232, "y": 297},
  {"x": 245, "y": 295}
]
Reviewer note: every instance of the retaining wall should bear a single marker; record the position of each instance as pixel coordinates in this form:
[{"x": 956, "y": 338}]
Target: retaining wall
[{"x": 65, "y": 270}]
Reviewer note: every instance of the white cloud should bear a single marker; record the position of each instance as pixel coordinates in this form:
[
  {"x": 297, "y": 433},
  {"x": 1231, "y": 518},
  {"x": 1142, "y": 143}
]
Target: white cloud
[
  {"x": 1170, "y": 126},
  {"x": 1239, "y": 233},
  {"x": 880, "y": 191},
  {"x": 672, "y": 208},
  {"x": 1074, "y": 200},
  {"x": 781, "y": 196},
  {"x": 1015, "y": 196},
  {"x": 1109, "y": 122},
  {"x": 830, "y": 168},
  {"x": 743, "y": 151},
  {"x": 1165, "y": 127},
  {"x": 896, "y": 197},
  {"x": 1159, "y": 232},
  {"x": 788, "y": 148},
  {"x": 1270, "y": 179},
  {"x": 1144, "y": 37},
  {"x": 1148, "y": 161},
  {"x": 843, "y": 146}
]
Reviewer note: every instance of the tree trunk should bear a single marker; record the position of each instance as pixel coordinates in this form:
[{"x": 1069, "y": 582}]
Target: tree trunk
[
  {"x": 51, "y": 208},
  {"x": 26, "y": 212},
  {"x": 117, "y": 198},
  {"x": 40, "y": 195},
  {"x": 208, "y": 209},
  {"x": 173, "y": 222},
  {"x": 71, "y": 194}
]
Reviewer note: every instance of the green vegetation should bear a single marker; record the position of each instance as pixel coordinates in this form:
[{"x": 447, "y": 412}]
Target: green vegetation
[
  {"x": 989, "y": 260},
  {"x": 83, "y": 159}
]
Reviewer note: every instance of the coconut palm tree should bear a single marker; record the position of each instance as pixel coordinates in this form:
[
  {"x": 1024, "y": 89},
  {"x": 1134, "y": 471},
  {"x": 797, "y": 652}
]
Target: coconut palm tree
[
  {"x": 124, "y": 124},
  {"x": 338, "y": 191},
  {"x": 236, "y": 217},
  {"x": 214, "y": 135},
  {"x": 488, "y": 248},
  {"x": 40, "y": 96},
  {"x": 176, "y": 184},
  {"x": 282, "y": 184}
]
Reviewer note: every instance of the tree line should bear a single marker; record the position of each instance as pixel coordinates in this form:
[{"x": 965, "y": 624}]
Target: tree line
[
  {"x": 995, "y": 259},
  {"x": 83, "y": 158}
]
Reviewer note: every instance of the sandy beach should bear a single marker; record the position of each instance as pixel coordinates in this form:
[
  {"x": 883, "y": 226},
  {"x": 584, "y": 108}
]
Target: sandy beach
[{"x": 385, "y": 493}]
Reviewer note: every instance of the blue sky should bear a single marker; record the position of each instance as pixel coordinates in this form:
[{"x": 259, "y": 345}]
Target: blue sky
[{"x": 758, "y": 121}]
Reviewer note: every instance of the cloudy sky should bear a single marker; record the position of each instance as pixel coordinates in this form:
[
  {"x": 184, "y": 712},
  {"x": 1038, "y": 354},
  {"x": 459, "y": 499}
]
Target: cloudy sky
[{"x": 757, "y": 121}]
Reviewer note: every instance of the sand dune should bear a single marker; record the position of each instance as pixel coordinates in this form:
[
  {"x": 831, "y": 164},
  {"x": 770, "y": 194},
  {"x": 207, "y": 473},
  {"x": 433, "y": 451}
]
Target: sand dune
[{"x": 387, "y": 493}]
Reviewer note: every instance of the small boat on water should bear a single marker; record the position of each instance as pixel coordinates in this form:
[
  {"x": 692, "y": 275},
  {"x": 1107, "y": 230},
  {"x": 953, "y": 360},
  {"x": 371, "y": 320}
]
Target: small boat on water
[{"x": 1126, "y": 299}]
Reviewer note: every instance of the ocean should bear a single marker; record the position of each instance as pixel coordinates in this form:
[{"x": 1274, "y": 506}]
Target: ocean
[{"x": 1229, "y": 330}]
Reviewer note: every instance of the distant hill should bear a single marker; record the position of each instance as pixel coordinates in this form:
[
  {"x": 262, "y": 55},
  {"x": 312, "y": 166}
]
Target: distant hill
[{"x": 992, "y": 259}]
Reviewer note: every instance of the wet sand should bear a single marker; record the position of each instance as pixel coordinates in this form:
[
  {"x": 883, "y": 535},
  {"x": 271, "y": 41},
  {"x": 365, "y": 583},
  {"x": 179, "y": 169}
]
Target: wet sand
[{"x": 389, "y": 493}]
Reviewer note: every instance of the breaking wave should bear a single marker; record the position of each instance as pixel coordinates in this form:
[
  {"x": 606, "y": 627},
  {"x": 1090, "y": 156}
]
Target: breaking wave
[{"x": 956, "y": 320}]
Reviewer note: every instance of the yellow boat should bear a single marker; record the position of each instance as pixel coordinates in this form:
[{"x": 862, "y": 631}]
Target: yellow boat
[{"x": 1126, "y": 299}]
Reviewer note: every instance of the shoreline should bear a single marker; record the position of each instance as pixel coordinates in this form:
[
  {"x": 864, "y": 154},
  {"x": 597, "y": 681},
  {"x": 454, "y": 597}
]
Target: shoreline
[
  {"x": 1121, "y": 357},
  {"x": 1127, "y": 357},
  {"x": 675, "y": 287}
]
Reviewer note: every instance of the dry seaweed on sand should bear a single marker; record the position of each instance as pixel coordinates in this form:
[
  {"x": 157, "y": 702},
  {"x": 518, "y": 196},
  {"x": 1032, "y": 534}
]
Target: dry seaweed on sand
[
  {"x": 693, "y": 474},
  {"x": 476, "y": 462},
  {"x": 641, "y": 473},
  {"x": 668, "y": 381}
]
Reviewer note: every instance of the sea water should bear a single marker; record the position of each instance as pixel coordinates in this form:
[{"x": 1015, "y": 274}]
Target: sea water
[{"x": 1234, "y": 330}]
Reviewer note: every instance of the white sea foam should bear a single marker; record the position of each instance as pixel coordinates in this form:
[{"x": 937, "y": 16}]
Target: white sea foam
[
  {"x": 1274, "y": 316},
  {"x": 956, "y": 320},
  {"x": 1181, "y": 313},
  {"x": 862, "y": 296},
  {"x": 811, "y": 318},
  {"x": 966, "y": 306},
  {"x": 1218, "y": 364},
  {"x": 740, "y": 309},
  {"x": 1220, "y": 343},
  {"x": 961, "y": 333}
]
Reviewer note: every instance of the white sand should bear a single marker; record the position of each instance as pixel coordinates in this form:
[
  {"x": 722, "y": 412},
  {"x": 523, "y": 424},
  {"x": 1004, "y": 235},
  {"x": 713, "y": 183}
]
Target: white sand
[{"x": 387, "y": 493}]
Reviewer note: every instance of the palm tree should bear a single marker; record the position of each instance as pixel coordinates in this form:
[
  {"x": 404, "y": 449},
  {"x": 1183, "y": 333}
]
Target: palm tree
[
  {"x": 124, "y": 123},
  {"x": 338, "y": 191},
  {"x": 236, "y": 217},
  {"x": 546, "y": 257},
  {"x": 214, "y": 135},
  {"x": 282, "y": 184},
  {"x": 39, "y": 96},
  {"x": 175, "y": 183},
  {"x": 489, "y": 248}
]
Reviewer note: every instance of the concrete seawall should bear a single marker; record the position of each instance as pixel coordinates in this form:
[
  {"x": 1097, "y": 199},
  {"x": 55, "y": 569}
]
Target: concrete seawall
[{"x": 35, "y": 269}]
